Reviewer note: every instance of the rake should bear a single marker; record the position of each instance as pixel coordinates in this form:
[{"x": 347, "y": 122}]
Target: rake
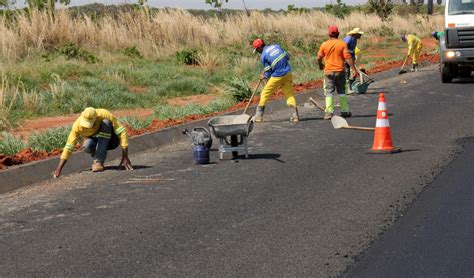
[{"x": 340, "y": 122}]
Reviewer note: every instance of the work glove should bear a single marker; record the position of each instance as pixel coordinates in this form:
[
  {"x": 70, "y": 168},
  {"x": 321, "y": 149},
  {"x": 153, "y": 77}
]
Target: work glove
[{"x": 321, "y": 66}]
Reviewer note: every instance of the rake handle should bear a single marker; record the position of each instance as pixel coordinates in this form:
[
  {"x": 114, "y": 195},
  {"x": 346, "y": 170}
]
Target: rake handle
[
  {"x": 316, "y": 104},
  {"x": 253, "y": 94},
  {"x": 359, "y": 128},
  {"x": 404, "y": 63}
]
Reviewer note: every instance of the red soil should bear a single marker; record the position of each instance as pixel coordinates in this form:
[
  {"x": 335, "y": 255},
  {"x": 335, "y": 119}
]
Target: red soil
[
  {"x": 198, "y": 99},
  {"x": 26, "y": 156}
]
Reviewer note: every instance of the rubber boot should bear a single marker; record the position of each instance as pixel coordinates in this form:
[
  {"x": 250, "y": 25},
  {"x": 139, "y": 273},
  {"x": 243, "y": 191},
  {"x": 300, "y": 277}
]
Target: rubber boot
[
  {"x": 259, "y": 114},
  {"x": 415, "y": 67},
  {"x": 295, "y": 117}
]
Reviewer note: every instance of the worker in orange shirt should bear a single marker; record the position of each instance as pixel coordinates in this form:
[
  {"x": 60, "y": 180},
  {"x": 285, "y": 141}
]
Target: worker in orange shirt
[{"x": 334, "y": 53}]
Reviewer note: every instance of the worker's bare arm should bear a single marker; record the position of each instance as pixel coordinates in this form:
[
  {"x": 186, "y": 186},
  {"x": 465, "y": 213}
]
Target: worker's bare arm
[
  {"x": 125, "y": 162},
  {"x": 320, "y": 63},
  {"x": 59, "y": 169}
]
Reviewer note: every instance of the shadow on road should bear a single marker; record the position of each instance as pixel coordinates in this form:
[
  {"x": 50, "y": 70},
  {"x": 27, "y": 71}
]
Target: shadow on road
[
  {"x": 135, "y": 167},
  {"x": 268, "y": 156}
]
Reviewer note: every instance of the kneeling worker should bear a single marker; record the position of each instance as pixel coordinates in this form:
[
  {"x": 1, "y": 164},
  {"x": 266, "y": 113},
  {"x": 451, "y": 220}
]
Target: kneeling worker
[
  {"x": 102, "y": 130},
  {"x": 277, "y": 71}
]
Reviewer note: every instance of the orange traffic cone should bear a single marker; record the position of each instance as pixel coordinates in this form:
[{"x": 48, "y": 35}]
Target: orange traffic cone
[{"x": 382, "y": 137}]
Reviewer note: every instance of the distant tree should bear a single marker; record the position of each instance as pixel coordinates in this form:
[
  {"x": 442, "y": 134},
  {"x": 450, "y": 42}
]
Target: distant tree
[
  {"x": 339, "y": 9},
  {"x": 383, "y": 8},
  {"x": 49, "y": 5},
  {"x": 216, "y": 3},
  {"x": 292, "y": 8}
]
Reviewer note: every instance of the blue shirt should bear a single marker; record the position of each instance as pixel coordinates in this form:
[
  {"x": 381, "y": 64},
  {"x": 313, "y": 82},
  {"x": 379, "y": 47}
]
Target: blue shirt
[
  {"x": 351, "y": 44},
  {"x": 275, "y": 61}
]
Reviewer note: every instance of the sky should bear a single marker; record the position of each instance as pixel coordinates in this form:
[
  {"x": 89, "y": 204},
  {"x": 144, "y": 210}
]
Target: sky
[{"x": 232, "y": 4}]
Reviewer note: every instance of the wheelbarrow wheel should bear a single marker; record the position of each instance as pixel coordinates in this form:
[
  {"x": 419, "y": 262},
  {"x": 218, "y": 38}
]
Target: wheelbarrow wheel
[{"x": 234, "y": 142}]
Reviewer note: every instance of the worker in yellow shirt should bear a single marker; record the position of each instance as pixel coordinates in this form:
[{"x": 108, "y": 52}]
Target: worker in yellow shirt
[
  {"x": 103, "y": 133},
  {"x": 414, "y": 49}
]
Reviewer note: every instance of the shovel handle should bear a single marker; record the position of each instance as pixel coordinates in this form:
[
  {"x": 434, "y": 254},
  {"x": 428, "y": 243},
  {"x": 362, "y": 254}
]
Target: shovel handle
[
  {"x": 404, "y": 63},
  {"x": 359, "y": 128},
  {"x": 316, "y": 104},
  {"x": 253, "y": 94}
]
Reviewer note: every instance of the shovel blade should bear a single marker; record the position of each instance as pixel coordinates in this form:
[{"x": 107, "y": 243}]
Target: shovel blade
[
  {"x": 339, "y": 122},
  {"x": 402, "y": 72}
]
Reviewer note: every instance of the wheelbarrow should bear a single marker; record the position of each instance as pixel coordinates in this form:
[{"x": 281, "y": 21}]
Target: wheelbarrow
[
  {"x": 360, "y": 86},
  {"x": 232, "y": 132}
]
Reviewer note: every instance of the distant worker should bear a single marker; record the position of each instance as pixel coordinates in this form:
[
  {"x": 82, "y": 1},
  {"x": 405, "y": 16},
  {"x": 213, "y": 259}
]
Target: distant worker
[
  {"x": 103, "y": 133},
  {"x": 277, "y": 73},
  {"x": 414, "y": 49},
  {"x": 335, "y": 53},
  {"x": 351, "y": 41},
  {"x": 437, "y": 35}
]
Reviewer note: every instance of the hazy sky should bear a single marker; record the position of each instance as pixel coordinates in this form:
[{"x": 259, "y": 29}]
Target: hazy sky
[{"x": 233, "y": 4}]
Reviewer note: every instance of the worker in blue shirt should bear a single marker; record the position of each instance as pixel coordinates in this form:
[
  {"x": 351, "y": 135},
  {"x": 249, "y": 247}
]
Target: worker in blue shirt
[
  {"x": 277, "y": 72},
  {"x": 351, "y": 41}
]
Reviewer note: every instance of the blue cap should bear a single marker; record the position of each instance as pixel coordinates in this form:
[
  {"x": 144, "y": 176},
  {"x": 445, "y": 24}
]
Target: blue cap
[{"x": 434, "y": 34}]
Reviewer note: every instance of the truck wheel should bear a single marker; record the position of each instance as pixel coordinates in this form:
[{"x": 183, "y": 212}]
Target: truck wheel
[
  {"x": 446, "y": 75},
  {"x": 465, "y": 73}
]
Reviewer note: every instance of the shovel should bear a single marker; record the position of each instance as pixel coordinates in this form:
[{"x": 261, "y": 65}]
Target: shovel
[
  {"x": 402, "y": 69},
  {"x": 340, "y": 122},
  {"x": 318, "y": 106},
  {"x": 253, "y": 94}
]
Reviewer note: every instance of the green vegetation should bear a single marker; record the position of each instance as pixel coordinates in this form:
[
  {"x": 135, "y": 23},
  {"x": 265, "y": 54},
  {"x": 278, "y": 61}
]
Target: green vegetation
[
  {"x": 49, "y": 139},
  {"x": 164, "y": 112},
  {"x": 9, "y": 144},
  {"x": 239, "y": 89},
  {"x": 136, "y": 123}
]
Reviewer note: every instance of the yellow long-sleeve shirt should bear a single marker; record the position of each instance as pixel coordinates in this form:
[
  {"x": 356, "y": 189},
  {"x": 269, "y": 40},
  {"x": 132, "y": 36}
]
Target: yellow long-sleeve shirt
[
  {"x": 78, "y": 131},
  {"x": 414, "y": 44}
]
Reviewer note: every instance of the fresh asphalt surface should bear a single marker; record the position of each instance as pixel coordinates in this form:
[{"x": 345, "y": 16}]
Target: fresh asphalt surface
[
  {"x": 435, "y": 237},
  {"x": 308, "y": 201}
]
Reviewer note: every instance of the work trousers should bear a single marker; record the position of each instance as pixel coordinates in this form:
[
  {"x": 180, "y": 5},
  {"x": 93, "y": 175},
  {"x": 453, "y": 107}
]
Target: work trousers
[
  {"x": 349, "y": 81},
  {"x": 103, "y": 140},
  {"x": 335, "y": 81},
  {"x": 415, "y": 53},
  {"x": 286, "y": 84}
]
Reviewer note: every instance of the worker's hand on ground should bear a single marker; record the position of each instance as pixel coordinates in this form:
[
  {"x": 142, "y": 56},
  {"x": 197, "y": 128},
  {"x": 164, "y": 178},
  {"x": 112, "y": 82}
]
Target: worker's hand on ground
[
  {"x": 125, "y": 162},
  {"x": 56, "y": 173}
]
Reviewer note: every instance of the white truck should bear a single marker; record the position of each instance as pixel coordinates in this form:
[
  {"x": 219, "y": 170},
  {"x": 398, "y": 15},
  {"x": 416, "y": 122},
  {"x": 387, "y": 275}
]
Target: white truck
[{"x": 457, "y": 44}]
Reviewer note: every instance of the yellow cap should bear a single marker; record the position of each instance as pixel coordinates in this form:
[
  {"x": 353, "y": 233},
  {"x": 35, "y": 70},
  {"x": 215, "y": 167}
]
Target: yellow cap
[
  {"x": 88, "y": 117},
  {"x": 355, "y": 31}
]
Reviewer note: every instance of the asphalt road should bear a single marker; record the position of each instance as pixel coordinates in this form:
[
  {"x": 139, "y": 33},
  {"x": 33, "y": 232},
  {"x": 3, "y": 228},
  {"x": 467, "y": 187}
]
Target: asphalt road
[
  {"x": 435, "y": 237},
  {"x": 307, "y": 202}
]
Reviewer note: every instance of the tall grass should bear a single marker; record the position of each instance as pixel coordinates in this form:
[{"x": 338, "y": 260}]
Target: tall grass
[
  {"x": 49, "y": 139},
  {"x": 168, "y": 30}
]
